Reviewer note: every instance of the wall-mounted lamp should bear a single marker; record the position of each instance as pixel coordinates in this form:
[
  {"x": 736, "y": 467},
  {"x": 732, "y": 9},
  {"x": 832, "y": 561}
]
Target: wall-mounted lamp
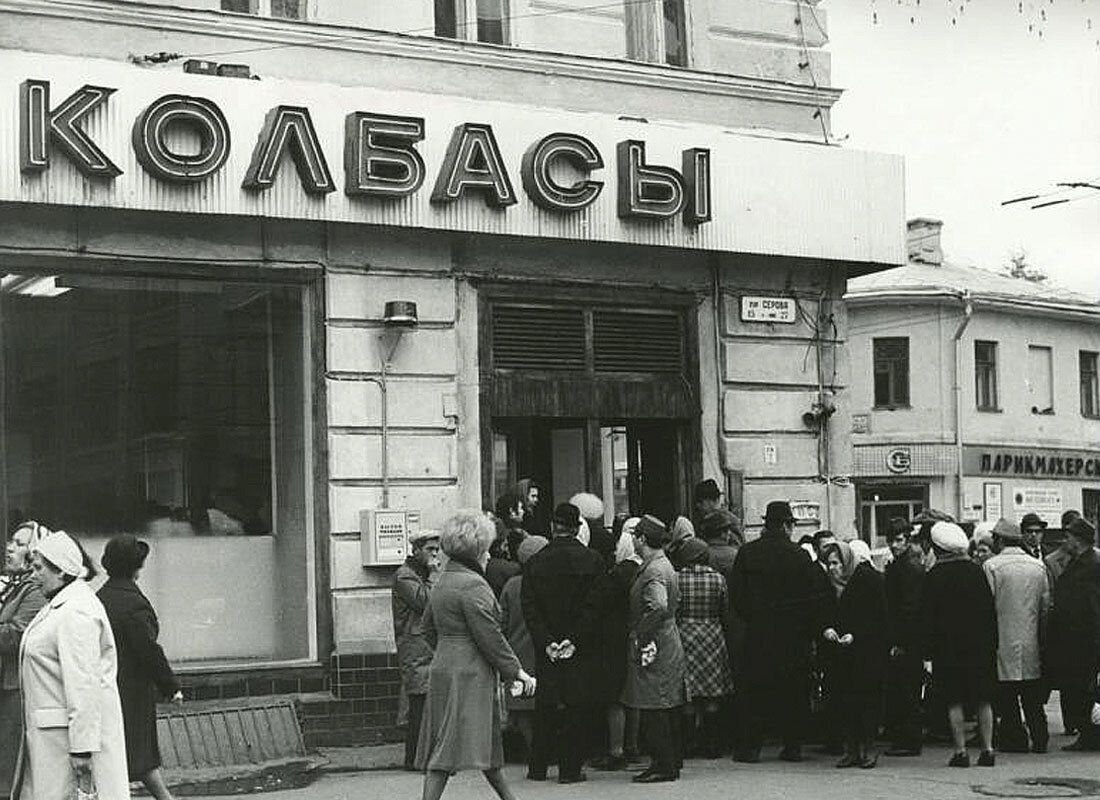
[{"x": 399, "y": 317}]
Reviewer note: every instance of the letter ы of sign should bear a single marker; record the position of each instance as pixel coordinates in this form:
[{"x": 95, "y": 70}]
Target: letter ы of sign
[{"x": 656, "y": 192}]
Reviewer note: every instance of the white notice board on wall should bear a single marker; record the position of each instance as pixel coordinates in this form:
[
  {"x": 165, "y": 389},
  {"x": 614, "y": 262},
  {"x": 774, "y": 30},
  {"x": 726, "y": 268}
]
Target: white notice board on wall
[{"x": 1045, "y": 502}]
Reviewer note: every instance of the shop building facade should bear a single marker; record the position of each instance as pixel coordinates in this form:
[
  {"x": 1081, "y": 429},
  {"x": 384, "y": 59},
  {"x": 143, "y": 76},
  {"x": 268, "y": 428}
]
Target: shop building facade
[
  {"x": 626, "y": 243},
  {"x": 972, "y": 392}
]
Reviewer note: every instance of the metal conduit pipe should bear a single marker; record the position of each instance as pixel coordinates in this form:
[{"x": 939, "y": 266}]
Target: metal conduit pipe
[{"x": 968, "y": 312}]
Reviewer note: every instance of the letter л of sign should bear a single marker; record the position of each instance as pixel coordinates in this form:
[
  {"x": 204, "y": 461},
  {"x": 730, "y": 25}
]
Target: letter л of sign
[{"x": 289, "y": 127}]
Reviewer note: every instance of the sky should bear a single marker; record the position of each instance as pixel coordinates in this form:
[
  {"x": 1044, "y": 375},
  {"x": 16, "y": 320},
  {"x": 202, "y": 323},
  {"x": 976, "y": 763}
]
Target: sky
[{"x": 1004, "y": 102}]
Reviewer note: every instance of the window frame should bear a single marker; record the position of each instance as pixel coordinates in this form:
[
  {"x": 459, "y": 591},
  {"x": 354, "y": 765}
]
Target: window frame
[
  {"x": 646, "y": 40},
  {"x": 1049, "y": 409},
  {"x": 893, "y": 401},
  {"x": 467, "y": 27},
  {"x": 995, "y": 405},
  {"x": 262, "y": 9},
  {"x": 1091, "y": 393}
]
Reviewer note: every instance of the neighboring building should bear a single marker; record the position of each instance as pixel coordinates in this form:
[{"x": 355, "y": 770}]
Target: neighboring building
[
  {"x": 972, "y": 392},
  {"x": 624, "y": 236}
]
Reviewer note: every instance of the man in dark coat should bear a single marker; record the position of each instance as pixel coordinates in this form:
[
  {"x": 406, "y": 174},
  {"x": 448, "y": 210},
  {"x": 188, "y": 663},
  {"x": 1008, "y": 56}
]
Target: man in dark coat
[
  {"x": 1074, "y": 645},
  {"x": 412, "y": 584},
  {"x": 559, "y": 596},
  {"x": 904, "y": 585},
  {"x": 780, "y": 595}
]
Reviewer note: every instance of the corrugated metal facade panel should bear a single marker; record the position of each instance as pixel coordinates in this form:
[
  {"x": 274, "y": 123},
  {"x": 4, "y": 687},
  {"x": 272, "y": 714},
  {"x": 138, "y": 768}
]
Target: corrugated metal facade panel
[
  {"x": 770, "y": 197},
  {"x": 926, "y": 460}
]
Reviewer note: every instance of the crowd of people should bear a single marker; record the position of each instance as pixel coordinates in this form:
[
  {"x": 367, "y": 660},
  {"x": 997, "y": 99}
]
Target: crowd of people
[
  {"x": 80, "y": 671},
  {"x": 677, "y": 638}
]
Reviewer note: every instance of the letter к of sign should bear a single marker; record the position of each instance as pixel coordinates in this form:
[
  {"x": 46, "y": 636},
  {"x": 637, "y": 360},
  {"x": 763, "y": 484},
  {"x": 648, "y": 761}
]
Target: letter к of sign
[
  {"x": 151, "y": 145},
  {"x": 40, "y": 126},
  {"x": 380, "y": 156},
  {"x": 289, "y": 126},
  {"x": 646, "y": 191},
  {"x": 473, "y": 162},
  {"x": 540, "y": 185}
]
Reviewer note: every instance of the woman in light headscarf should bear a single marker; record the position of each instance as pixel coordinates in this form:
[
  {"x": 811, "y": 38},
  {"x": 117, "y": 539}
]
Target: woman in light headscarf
[
  {"x": 858, "y": 649},
  {"x": 622, "y": 723},
  {"x": 680, "y": 532},
  {"x": 20, "y": 600},
  {"x": 67, "y": 663}
]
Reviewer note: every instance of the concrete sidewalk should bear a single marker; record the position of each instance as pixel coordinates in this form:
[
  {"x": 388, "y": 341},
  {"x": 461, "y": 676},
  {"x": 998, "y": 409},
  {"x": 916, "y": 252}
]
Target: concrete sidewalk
[{"x": 923, "y": 778}]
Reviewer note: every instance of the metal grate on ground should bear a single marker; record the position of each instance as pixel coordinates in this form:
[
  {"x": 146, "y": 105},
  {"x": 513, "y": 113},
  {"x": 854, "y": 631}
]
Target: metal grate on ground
[{"x": 226, "y": 737}]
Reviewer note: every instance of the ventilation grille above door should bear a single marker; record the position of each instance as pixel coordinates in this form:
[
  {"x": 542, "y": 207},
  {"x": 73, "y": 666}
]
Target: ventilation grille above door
[
  {"x": 538, "y": 337},
  {"x": 637, "y": 341}
]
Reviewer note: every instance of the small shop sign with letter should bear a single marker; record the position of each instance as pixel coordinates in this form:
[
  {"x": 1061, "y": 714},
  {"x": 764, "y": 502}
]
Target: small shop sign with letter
[{"x": 768, "y": 309}]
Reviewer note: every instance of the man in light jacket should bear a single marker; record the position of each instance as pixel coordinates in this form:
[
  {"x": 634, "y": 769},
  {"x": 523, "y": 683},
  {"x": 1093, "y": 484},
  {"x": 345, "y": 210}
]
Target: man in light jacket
[
  {"x": 1021, "y": 594},
  {"x": 411, "y": 587}
]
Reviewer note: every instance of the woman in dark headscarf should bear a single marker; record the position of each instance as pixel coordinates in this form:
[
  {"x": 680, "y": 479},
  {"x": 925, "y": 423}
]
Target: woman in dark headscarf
[
  {"x": 857, "y": 649},
  {"x": 703, "y": 616}
]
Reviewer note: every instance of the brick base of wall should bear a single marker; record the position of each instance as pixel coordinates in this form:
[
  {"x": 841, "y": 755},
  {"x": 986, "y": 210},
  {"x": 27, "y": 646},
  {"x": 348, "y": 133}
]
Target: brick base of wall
[{"x": 353, "y": 701}]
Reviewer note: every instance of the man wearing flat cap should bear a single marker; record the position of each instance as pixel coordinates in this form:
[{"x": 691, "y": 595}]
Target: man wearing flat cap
[
  {"x": 1074, "y": 643},
  {"x": 777, "y": 591},
  {"x": 655, "y": 655},
  {"x": 412, "y": 585},
  {"x": 1021, "y": 595},
  {"x": 559, "y": 599}
]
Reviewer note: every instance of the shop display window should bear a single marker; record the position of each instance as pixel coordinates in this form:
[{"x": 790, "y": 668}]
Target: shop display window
[{"x": 176, "y": 410}]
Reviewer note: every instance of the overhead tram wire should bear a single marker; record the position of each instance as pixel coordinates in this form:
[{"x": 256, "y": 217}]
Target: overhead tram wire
[
  {"x": 166, "y": 58},
  {"x": 1065, "y": 187}
]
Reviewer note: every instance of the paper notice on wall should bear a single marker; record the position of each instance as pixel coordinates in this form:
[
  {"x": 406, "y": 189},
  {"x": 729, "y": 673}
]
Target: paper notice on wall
[
  {"x": 994, "y": 502},
  {"x": 972, "y": 505},
  {"x": 1047, "y": 503}
]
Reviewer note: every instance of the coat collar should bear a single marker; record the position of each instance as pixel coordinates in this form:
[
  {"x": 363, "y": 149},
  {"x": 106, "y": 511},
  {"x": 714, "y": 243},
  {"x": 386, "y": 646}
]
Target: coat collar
[
  {"x": 74, "y": 590},
  {"x": 123, "y": 585}
]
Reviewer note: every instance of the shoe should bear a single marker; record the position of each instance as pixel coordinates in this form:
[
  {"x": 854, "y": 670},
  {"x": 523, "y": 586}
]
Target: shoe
[
  {"x": 535, "y": 775},
  {"x": 987, "y": 758},
  {"x": 869, "y": 762},
  {"x": 747, "y": 756},
  {"x": 655, "y": 777},
  {"x": 580, "y": 777},
  {"x": 610, "y": 764},
  {"x": 849, "y": 760},
  {"x": 792, "y": 754},
  {"x": 1078, "y": 747},
  {"x": 959, "y": 760},
  {"x": 903, "y": 752}
]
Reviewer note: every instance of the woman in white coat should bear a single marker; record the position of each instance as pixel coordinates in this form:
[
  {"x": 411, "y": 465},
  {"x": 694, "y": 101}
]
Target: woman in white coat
[{"x": 71, "y": 710}]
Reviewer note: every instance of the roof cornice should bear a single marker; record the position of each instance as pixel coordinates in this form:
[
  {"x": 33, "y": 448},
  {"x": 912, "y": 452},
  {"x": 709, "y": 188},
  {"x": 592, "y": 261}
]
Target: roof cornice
[
  {"x": 899, "y": 296},
  {"x": 267, "y": 33}
]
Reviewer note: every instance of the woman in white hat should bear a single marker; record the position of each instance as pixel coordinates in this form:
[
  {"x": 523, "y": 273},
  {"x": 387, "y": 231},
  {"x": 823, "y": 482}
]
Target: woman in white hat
[{"x": 67, "y": 664}]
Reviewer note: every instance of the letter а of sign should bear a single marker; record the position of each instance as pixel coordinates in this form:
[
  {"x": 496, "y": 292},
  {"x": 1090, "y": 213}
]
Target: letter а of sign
[
  {"x": 40, "y": 126},
  {"x": 289, "y": 127},
  {"x": 473, "y": 163}
]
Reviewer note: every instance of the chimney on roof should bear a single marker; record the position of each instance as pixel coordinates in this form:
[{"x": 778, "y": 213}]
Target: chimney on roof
[{"x": 923, "y": 240}]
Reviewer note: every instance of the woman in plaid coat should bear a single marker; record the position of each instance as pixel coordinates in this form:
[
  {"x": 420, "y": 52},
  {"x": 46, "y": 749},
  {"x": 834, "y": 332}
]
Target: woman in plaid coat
[{"x": 702, "y": 617}]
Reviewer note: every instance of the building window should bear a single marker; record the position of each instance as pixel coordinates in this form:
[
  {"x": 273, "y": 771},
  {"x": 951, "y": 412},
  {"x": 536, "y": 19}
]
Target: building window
[
  {"x": 1040, "y": 379},
  {"x": 280, "y": 9},
  {"x": 491, "y": 20},
  {"x": 675, "y": 33},
  {"x": 985, "y": 375},
  {"x": 178, "y": 411},
  {"x": 891, "y": 372},
  {"x": 1090, "y": 386}
]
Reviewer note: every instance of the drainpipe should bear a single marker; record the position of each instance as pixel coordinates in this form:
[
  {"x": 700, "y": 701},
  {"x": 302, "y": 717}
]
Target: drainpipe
[{"x": 968, "y": 312}]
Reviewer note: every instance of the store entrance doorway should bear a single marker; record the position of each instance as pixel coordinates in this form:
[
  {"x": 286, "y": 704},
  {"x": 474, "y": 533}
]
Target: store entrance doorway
[
  {"x": 635, "y": 466},
  {"x": 879, "y": 503}
]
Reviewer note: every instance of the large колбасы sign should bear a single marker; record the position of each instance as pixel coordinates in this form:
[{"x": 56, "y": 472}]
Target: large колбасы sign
[
  {"x": 381, "y": 157},
  {"x": 96, "y": 133}
]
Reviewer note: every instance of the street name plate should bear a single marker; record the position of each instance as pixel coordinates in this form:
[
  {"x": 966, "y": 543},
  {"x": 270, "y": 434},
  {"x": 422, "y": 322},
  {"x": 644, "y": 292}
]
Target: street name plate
[{"x": 768, "y": 309}]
